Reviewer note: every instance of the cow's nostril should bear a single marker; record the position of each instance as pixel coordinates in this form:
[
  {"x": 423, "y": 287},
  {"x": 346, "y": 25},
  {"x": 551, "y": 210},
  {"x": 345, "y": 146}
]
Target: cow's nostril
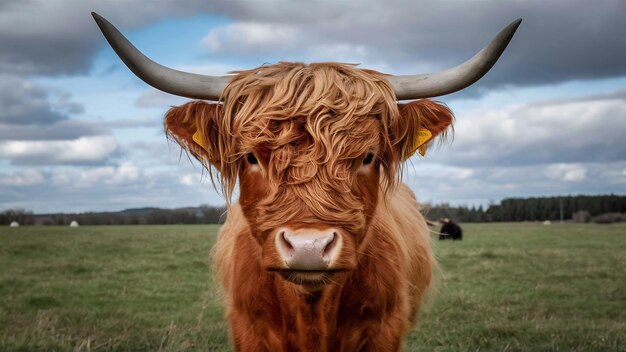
[
  {"x": 331, "y": 244},
  {"x": 285, "y": 241}
]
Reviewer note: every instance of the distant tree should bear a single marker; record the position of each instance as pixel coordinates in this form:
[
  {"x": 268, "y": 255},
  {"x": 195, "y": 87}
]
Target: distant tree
[
  {"x": 549, "y": 208},
  {"x": 22, "y": 216}
]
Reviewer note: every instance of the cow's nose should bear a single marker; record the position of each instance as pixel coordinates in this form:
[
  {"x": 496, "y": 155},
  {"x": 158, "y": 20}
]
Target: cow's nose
[{"x": 308, "y": 249}]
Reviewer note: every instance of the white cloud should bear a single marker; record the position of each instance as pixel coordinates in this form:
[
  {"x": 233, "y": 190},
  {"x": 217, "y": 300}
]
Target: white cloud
[
  {"x": 22, "y": 178},
  {"x": 419, "y": 169},
  {"x": 345, "y": 52},
  {"x": 126, "y": 173},
  {"x": 194, "y": 179},
  {"x": 81, "y": 150},
  {"x": 189, "y": 179},
  {"x": 540, "y": 133},
  {"x": 566, "y": 172},
  {"x": 247, "y": 37},
  {"x": 156, "y": 99}
]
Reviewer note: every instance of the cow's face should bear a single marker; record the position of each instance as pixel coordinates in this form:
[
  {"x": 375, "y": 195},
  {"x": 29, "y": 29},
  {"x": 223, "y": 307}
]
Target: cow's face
[
  {"x": 313, "y": 148},
  {"x": 309, "y": 195}
]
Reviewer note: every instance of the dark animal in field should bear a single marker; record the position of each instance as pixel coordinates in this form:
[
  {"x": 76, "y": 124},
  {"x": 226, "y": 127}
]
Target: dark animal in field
[
  {"x": 450, "y": 230},
  {"x": 325, "y": 250}
]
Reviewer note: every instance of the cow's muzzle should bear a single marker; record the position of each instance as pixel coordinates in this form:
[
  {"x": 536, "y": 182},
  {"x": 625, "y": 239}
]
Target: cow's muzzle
[{"x": 308, "y": 249}]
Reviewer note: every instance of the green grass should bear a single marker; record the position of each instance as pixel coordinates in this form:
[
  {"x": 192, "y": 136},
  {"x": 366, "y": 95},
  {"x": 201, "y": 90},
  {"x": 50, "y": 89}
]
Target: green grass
[{"x": 506, "y": 287}]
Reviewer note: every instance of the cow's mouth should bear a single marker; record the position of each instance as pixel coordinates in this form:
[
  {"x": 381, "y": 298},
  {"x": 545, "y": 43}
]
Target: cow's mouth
[{"x": 309, "y": 278}]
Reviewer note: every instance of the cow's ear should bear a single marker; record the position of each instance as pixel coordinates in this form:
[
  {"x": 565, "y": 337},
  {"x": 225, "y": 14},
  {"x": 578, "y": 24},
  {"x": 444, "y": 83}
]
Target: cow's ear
[
  {"x": 423, "y": 120},
  {"x": 195, "y": 126}
]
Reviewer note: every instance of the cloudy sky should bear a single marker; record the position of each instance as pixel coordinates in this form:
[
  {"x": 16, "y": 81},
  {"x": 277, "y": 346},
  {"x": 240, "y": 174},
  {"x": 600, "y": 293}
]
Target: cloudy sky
[{"x": 79, "y": 132}]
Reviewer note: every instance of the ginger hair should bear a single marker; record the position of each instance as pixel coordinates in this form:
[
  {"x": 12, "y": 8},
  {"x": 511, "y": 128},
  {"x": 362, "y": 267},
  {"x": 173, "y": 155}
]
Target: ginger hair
[{"x": 277, "y": 108}]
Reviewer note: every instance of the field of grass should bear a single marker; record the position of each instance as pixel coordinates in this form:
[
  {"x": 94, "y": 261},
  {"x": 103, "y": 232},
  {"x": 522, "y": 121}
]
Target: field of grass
[{"x": 506, "y": 287}]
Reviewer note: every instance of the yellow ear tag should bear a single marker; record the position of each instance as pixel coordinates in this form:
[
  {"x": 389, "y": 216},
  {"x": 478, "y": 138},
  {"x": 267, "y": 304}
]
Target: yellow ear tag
[
  {"x": 199, "y": 139},
  {"x": 423, "y": 136}
]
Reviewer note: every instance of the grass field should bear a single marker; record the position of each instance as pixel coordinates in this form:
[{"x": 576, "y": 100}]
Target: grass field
[{"x": 506, "y": 287}]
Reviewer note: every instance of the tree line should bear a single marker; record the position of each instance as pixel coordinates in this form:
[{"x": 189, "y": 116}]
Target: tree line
[
  {"x": 144, "y": 216},
  {"x": 532, "y": 209},
  {"x": 22, "y": 216}
]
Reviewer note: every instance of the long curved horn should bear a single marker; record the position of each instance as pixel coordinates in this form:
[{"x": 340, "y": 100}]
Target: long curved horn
[
  {"x": 172, "y": 81},
  {"x": 456, "y": 78}
]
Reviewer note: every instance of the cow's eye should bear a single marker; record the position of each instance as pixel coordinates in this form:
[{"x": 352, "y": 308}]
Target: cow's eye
[
  {"x": 368, "y": 159},
  {"x": 251, "y": 159}
]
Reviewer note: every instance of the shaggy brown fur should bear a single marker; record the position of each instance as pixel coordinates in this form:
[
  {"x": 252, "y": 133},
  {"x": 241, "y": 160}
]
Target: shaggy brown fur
[{"x": 295, "y": 136}]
